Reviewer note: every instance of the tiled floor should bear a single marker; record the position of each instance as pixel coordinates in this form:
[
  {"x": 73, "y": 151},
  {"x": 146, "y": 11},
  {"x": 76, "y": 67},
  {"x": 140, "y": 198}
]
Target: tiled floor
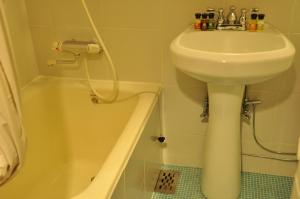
[{"x": 254, "y": 186}]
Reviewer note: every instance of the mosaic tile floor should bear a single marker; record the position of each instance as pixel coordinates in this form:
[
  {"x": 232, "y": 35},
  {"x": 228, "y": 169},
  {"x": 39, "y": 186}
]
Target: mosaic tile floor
[{"x": 254, "y": 185}]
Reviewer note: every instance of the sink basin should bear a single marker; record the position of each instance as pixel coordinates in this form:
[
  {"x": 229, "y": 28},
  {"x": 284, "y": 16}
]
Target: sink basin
[
  {"x": 232, "y": 57},
  {"x": 227, "y": 61}
]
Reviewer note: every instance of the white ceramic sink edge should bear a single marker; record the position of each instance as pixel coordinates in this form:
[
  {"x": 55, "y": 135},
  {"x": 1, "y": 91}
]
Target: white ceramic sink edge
[{"x": 227, "y": 65}]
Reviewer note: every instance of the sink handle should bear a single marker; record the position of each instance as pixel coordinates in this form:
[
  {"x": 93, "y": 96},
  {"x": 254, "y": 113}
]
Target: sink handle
[
  {"x": 254, "y": 10},
  {"x": 221, "y": 18},
  {"x": 210, "y": 10},
  {"x": 243, "y": 18}
]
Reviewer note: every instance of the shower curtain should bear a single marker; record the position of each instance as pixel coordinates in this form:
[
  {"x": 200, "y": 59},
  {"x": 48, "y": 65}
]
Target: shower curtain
[{"x": 12, "y": 138}]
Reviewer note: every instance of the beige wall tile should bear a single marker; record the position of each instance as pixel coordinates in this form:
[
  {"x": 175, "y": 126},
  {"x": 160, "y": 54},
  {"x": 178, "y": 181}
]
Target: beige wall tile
[
  {"x": 260, "y": 165},
  {"x": 136, "y": 53},
  {"x": 185, "y": 149},
  {"x": 70, "y": 13},
  {"x": 295, "y": 18},
  {"x": 182, "y": 111},
  {"x": 40, "y": 12},
  {"x": 131, "y": 13},
  {"x": 288, "y": 117},
  {"x": 42, "y": 40}
]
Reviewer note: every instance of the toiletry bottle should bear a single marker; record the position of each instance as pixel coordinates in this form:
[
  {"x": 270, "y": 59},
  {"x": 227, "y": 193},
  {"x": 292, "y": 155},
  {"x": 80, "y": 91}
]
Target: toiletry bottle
[
  {"x": 211, "y": 21},
  {"x": 252, "y": 26},
  {"x": 197, "y": 24},
  {"x": 260, "y": 22},
  {"x": 204, "y": 22}
]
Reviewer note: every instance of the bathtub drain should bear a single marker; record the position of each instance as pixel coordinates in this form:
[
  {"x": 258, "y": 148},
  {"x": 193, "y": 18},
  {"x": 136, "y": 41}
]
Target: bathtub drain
[{"x": 167, "y": 181}]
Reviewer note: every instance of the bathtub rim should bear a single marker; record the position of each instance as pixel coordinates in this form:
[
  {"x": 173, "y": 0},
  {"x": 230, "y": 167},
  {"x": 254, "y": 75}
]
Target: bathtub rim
[
  {"x": 106, "y": 85},
  {"x": 114, "y": 165}
]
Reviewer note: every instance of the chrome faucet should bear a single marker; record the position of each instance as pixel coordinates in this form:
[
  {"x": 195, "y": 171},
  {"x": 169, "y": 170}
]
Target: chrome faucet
[
  {"x": 221, "y": 18},
  {"x": 231, "y": 17},
  {"x": 232, "y": 22}
]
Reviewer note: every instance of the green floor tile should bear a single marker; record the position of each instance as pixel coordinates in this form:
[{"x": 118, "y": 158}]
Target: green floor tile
[{"x": 254, "y": 185}]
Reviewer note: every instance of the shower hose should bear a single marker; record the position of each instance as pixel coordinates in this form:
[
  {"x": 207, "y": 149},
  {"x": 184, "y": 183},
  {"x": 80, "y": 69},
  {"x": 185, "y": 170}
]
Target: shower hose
[
  {"x": 113, "y": 96},
  {"x": 265, "y": 148}
]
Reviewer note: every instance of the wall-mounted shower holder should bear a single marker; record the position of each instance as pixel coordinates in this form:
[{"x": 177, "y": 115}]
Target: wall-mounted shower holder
[{"x": 74, "y": 47}]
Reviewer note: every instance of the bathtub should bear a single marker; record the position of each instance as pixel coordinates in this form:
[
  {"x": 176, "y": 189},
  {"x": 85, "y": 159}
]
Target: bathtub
[{"x": 77, "y": 149}]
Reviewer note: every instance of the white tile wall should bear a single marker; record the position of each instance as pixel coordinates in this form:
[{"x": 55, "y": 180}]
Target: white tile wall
[
  {"x": 183, "y": 110},
  {"x": 136, "y": 53},
  {"x": 138, "y": 34},
  {"x": 185, "y": 149},
  {"x": 295, "y": 17},
  {"x": 17, "y": 18},
  {"x": 130, "y": 29},
  {"x": 137, "y": 14},
  {"x": 39, "y": 12}
]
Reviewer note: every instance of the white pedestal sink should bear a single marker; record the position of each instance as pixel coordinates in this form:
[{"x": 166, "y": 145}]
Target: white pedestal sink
[{"x": 227, "y": 61}]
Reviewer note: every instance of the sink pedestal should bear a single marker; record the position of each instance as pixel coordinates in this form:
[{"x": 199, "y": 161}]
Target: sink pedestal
[
  {"x": 222, "y": 158},
  {"x": 228, "y": 60}
]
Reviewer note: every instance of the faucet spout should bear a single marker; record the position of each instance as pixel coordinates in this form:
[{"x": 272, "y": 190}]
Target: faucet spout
[
  {"x": 232, "y": 22},
  {"x": 232, "y": 17}
]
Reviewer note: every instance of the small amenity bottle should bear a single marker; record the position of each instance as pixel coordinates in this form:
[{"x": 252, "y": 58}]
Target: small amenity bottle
[
  {"x": 211, "y": 21},
  {"x": 252, "y": 24},
  {"x": 197, "y": 24},
  {"x": 260, "y": 22},
  {"x": 204, "y": 22}
]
